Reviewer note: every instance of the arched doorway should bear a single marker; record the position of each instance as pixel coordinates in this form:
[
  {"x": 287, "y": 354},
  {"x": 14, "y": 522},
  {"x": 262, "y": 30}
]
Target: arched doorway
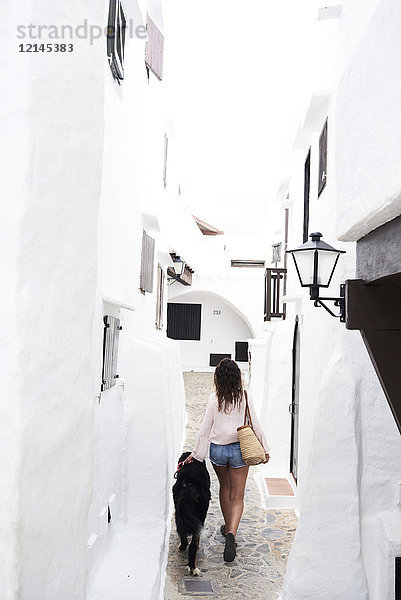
[{"x": 208, "y": 328}]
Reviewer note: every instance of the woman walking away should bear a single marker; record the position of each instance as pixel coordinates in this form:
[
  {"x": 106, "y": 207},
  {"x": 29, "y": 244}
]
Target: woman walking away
[{"x": 225, "y": 412}]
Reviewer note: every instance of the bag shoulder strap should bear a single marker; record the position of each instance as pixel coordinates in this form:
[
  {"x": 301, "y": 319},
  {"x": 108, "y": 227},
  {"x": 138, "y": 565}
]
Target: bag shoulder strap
[{"x": 247, "y": 411}]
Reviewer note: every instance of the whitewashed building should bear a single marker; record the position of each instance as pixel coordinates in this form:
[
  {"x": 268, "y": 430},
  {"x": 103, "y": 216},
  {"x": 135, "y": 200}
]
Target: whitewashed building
[
  {"x": 331, "y": 395},
  {"x": 93, "y": 416},
  {"x": 219, "y": 314}
]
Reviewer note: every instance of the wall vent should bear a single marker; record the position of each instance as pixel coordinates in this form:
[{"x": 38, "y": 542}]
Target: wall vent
[{"x": 258, "y": 264}]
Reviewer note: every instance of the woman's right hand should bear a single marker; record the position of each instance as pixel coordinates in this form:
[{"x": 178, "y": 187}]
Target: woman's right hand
[
  {"x": 267, "y": 459},
  {"x": 188, "y": 459}
]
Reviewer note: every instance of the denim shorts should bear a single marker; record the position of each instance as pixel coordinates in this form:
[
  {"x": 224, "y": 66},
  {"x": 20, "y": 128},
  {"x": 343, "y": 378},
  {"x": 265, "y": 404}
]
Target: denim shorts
[{"x": 228, "y": 454}]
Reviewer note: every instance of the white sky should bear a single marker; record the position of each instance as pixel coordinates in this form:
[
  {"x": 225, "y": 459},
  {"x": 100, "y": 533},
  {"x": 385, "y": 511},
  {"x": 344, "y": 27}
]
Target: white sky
[{"x": 239, "y": 78}]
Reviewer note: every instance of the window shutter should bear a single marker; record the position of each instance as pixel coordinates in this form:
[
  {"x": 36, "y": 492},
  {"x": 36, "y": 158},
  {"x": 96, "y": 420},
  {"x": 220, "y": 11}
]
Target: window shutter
[
  {"x": 306, "y": 198},
  {"x": 276, "y": 258},
  {"x": 116, "y": 30},
  {"x": 147, "y": 263},
  {"x": 111, "y": 335},
  {"x": 184, "y": 321},
  {"x": 241, "y": 351},
  {"x": 322, "y": 159},
  {"x": 160, "y": 297},
  {"x": 154, "y": 49},
  {"x": 398, "y": 578},
  {"x": 214, "y": 359}
]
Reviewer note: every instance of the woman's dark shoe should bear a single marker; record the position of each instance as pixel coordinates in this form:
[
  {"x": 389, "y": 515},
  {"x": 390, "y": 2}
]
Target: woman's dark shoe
[
  {"x": 223, "y": 530},
  {"x": 229, "y": 550}
]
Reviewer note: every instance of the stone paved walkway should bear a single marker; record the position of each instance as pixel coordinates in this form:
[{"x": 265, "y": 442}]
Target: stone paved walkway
[{"x": 264, "y": 537}]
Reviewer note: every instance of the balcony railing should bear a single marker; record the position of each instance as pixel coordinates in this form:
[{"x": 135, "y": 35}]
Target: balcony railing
[{"x": 275, "y": 283}]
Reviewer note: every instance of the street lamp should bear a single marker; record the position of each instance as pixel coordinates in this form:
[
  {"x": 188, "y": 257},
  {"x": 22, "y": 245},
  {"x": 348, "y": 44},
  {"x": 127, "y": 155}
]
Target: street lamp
[
  {"x": 315, "y": 262},
  {"x": 179, "y": 265}
]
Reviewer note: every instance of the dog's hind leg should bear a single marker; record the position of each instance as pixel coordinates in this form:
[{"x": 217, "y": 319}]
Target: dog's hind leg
[
  {"x": 184, "y": 543},
  {"x": 193, "y": 548}
]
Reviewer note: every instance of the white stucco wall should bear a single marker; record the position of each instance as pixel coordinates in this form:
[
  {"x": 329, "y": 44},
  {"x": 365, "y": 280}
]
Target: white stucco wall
[
  {"x": 135, "y": 459},
  {"x": 78, "y": 180},
  {"x": 347, "y": 536},
  {"x": 367, "y": 126},
  {"x": 58, "y": 135}
]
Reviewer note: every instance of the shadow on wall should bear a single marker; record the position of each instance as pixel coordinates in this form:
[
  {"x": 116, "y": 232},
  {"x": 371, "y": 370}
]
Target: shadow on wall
[{"x": 208, "y": 328}]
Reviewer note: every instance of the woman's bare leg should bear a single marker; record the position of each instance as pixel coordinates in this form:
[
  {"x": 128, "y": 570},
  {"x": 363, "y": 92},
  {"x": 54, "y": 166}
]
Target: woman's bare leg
[
  {"x": 224, "y": 492},
  {"x": 237, "y": 479}
]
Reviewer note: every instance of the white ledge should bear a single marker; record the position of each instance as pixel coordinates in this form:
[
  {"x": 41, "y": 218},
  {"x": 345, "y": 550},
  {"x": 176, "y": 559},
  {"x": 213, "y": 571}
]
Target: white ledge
[
  {"x": 119, "y": 303},
  {"x": 292, "y": 298}
]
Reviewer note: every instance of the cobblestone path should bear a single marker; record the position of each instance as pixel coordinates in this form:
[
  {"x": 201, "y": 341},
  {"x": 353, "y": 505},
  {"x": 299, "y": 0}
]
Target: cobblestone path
[{"x": 264, "y": 537}]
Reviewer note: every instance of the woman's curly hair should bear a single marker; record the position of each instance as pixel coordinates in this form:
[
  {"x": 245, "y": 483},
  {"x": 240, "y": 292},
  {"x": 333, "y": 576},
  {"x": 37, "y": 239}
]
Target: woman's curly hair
[{"x": 228, "y": 384}]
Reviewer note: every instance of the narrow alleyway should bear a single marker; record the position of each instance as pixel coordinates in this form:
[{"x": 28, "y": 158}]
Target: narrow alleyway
[{"x": 264, "y": 537}]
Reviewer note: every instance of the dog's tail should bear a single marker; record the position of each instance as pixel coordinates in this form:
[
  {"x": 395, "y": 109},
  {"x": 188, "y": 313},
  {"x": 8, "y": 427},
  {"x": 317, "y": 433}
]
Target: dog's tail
[{"x": 186, "y": 520}]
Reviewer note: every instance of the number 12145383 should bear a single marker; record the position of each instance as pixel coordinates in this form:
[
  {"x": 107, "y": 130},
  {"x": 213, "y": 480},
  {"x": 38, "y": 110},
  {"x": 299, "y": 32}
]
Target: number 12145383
[{"x": 46, "y": 47}]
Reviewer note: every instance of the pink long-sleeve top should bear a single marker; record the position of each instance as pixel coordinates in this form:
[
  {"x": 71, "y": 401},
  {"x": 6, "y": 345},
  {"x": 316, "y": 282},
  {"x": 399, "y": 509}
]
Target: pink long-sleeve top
[{"x": 221, "y": 428}]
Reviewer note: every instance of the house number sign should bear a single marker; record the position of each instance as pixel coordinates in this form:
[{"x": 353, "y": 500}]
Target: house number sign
[{"x": 217, "y": 312}]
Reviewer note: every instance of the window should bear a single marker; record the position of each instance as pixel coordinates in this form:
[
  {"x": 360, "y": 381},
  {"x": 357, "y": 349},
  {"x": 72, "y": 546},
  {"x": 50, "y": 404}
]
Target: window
[
  {"x": 165, "y": 161},
  {"x": 276, "y": 253},
  {"x": 214, "y": 359},
  {"x": 147, "y": 263},
  {"x": 322, "y": 159},
  {"x": 184, "y": 321},
  {"x": 160, "y": 297},
  {"x": 111, "y": 335},
  {"x": 154, "y": 49},
  {"x": 241, "y": 351},
  {"x": 116, "y": 30},
  {"x": 397, "y": 577},
  {"x": 259, "y": 264},
  {"x": 306, "y": 198},
  {"x": 274, "y": 286}
]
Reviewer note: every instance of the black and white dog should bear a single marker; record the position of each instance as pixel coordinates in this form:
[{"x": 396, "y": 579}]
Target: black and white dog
[{"x": 191, "y": 495}]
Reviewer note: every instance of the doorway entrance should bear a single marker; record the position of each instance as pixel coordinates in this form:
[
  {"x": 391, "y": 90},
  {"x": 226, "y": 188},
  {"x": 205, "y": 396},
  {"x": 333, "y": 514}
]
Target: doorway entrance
[{"x": 294, "y": 406}]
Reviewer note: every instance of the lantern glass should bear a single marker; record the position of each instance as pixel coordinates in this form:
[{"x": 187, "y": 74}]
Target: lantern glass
[
  {"x": 179, "y": 265},
  {"x": 304, "y": 261},
  {"x": 326, "y": 264}
]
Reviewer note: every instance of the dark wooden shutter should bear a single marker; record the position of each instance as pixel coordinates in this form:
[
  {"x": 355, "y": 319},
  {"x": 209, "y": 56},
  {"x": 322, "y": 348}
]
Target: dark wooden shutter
[
  {"x": 241, "y": 351},
  {"x": 111, "y": 334},
  {"x": 154, "y": 49},
  {"x": 398, "y": 578},
  {"x": 184, "y": 321},
  {"x": 306, "y": 198},
  {"x": 322, "y": 159},
  {"x": 214, "y": 359},
  {"x": 147, "y": 263}
]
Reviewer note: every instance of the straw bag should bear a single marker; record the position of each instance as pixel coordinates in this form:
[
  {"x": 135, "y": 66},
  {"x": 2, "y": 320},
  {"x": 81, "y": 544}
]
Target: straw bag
[{"x": 252, "y": 450}]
